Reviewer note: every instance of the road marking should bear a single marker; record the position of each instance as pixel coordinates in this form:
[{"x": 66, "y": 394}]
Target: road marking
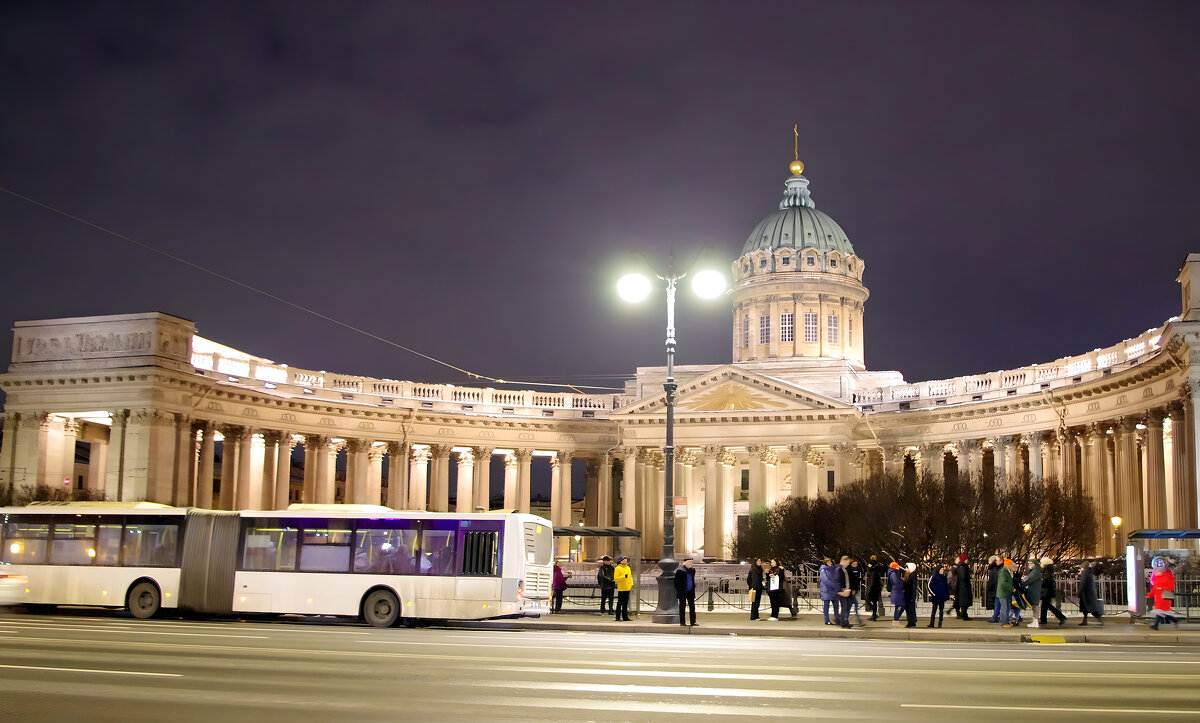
[
  {"x": 40, "y": 628},
  {"x": 620, "y": 688},
  {"x": 1027, "y": 659},
  {"x": 1041, "y": 709},
  {"x": 93, "y": 670}
]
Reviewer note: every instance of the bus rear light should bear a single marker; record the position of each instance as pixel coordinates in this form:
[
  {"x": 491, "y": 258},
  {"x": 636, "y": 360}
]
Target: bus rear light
[
  {"x": 16, "y": 579},
  {"x": 520, "y": 590}
]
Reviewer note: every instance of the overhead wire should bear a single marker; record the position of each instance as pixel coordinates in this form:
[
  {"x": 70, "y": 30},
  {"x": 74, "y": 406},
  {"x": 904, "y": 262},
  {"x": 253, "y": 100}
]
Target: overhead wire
[{"x": 288, "y": 302}]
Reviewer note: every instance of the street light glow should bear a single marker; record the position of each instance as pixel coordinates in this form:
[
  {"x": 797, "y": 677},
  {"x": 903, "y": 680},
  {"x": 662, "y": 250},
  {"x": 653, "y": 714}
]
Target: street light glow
[
  {"x": 633, "y": 288},
  {"x": 708, "y": 284},
  {"x": 1116, "y": 522}
]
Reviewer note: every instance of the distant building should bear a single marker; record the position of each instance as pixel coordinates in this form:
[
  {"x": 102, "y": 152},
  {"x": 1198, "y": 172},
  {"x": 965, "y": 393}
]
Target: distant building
[{"x": 795, "y": 412}]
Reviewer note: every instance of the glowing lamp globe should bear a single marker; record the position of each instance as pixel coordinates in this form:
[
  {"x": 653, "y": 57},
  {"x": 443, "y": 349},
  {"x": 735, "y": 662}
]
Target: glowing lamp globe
[
  {"x": 708, "y": 284},
  {"x": 633, "y": 288}
]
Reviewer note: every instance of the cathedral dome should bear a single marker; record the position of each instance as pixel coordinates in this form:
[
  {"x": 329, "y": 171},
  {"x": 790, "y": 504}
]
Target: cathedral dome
[{"x": 798, "y": 224}]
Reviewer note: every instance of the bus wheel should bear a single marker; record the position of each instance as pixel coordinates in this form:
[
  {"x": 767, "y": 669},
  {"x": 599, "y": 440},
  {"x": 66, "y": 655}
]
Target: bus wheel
[
  {"x": 143, "y": 600},
  {"x": 381, "y": 609}
]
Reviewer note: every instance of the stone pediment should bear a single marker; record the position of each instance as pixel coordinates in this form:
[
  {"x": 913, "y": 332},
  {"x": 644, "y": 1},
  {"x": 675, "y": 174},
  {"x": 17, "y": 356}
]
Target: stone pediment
[{"x": 733, "y": 390}]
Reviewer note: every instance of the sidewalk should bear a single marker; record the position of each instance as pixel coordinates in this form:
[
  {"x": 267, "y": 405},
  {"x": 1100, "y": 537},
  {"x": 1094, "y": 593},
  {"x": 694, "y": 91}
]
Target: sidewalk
[{"x": 1116, "y": 630}]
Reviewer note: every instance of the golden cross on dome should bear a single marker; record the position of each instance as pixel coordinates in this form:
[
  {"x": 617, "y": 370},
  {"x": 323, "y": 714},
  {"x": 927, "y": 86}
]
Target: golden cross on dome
[{"x": 796, "y": 167}]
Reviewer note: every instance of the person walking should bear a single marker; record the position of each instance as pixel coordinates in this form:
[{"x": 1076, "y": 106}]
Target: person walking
[
  {"x": 875, "y": 574},
  {"x": 1162, "y": 592},
  {"x": 845, "y": 592},
  {"x": 754, "y": 585},
  {"x": 685, "y": 589},
  {"x": 895, "y": 586},
  {"x": 608, "y": 586},
  {"x": 1004, "y": 592},
  {"x": 910, "y": 595},
  {"x": 829, "y": 587},
  {"x": 1089, "y": 603},
  {"x": 1033, "y": 591},
  {"x": 559, "y": 586},
  {"x": 989, "y": 591},
  {"x": 939, "y": 593},
  {"x": 855, "y": 588},
  {"x": 963, "y": 593},
  {"x": 1049, "y": 593},
  {"x": 623, "y": 577},
  {"x": 775, "y": 579}
]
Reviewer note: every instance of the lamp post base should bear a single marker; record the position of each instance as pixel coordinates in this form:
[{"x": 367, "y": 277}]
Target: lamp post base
[{"x": 668, "y": 605}]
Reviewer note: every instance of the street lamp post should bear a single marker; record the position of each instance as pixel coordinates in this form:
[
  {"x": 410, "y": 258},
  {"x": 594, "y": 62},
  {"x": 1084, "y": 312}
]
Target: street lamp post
[
  {"x": 1116, "y": 525},
  {"x": 634, "y": 288}
]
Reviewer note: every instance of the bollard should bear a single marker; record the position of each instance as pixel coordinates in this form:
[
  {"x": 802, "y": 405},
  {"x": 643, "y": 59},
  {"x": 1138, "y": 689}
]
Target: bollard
[{"x": 710, "y": 598}]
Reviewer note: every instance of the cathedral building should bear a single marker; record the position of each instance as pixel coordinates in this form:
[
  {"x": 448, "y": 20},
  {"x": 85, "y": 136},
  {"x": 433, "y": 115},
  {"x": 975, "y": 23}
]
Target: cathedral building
[{"x": 173, "y": 417}]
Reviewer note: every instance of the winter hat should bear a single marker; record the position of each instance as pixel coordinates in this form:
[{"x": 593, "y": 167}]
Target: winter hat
[
  {"x": 873, "y": 558},
  {"x": 622, "y": 558},
  {"x": 606, "y": 558},
  {"x": 962, "y": 558},
  {"x": 1008, "y": 562},
  {"x": 911, "y": 567},
  {"x": 1047, "y": 561},
  {"x": 894, "y": 565}
]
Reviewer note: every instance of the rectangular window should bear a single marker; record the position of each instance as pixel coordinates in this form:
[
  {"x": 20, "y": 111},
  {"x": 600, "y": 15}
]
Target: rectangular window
[
  {"x": 764, "y": 330},
  {"x": 270, "y": 544},
  {"x": 746, "y": 332},
  {"x": 386, "y": 547},
  {"x": 810, "y": 327},
  {"x": 150, "y": 542},
  {"x": 786, "y": 327},
  {"x": 437, "y": 547},
  {"x": 325, "y": 546},
  {"x": 26, "y": 541},
  {"x": 829, "y": 481},
  {"x": 74, "y": 543},
  {"x": 850, "y": 330},
  {"x": 832, "y": 326}
]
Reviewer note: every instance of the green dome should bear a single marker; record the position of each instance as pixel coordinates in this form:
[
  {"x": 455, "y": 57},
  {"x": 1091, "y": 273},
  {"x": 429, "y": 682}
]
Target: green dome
[{"x": 798, "y": 224}]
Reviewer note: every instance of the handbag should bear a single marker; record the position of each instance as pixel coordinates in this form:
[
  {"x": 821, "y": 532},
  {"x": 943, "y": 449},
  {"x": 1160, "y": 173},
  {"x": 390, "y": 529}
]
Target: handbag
[{"x": 753, "y": 594}]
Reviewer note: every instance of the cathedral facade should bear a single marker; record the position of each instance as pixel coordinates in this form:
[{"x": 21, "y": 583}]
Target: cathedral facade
[{"x": 173, "y": 417}]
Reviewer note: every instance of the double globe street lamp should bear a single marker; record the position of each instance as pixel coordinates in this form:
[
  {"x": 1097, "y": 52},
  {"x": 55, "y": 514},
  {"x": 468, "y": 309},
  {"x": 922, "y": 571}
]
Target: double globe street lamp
[{"x": 635, "y": 288}]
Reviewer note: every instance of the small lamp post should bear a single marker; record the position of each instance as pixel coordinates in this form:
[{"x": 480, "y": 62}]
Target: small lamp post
[
  {"x": 1116, "y": 524},
  {"x": 634, "y": 288}
]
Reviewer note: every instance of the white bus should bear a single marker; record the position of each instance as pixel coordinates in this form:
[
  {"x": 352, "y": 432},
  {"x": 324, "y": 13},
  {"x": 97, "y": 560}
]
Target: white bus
[{"x": 381, "y": 565}]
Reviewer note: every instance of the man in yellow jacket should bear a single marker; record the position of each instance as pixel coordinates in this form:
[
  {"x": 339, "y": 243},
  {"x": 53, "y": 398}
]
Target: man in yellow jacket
[{"x": 623, "y": 576}]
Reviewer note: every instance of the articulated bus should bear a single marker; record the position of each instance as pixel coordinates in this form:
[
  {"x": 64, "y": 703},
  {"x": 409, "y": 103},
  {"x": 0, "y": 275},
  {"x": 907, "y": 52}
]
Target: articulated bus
[{"x": 381, "y": 565}]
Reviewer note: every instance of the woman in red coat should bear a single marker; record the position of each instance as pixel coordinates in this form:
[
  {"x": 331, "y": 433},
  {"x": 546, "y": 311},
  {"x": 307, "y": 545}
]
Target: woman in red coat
[{"x": 1162, "y": 591}]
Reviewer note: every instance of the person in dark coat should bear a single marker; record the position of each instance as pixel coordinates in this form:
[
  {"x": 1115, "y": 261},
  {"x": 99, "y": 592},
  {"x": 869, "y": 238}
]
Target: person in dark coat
[
  {"x": 896, "y": 591},
  {"x": 856, "y": 588},
  {"x": 939, "y": 593},
  {"x": 828, "y": 585},
  {"x": 558, "y": 587},
  {"x": 989, "y": 592},
  {"x": 775, "y": 581},
  {"x": 1089, "y": 603},
  {"x": 1033, "y": 590},
  {"x": 875, "y": 573},
  {"x": 754, "y": 581},
  {"x": 910, "y": 595},
  {"x": 608, "y": 585},
  {"x": 964, "y": 596},
  {"x": 685, "y": 589},
  {"x": 1049, "y": 593}
]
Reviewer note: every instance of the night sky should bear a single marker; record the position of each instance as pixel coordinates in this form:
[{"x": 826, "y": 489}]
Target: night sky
[{"x": 1020, "y": 178}]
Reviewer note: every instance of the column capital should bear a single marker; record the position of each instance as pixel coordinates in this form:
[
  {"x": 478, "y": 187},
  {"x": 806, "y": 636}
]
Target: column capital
[
  {"x": 711, "y": 451},
  {"x": 376, "y": 452},
  {"x": 231, "y": 432},
  {"x": 420, "y": 454},
  {"x": 440, "y": 451},
  {"x": 357, "y": 446},
  {"x": 465, "y": 456},
  {"x": 523, "y": 455},
  {"x": 315, "y": 441},
  {"x": 510, "y": 461},
  {"x": 755, "y": 450},
  {"x": 815, "y": 457},
  {"x": 397, "y": 448},
  {"x": 799, "y": 449},
  {"x": 483, "y": 453},
  {"x": 272, "y": 436}
]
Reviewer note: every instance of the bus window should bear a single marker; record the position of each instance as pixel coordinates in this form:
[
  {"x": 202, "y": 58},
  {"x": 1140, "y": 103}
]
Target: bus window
[
  {"x": 479, "y": 552},
  {"x": 269, "y": 545},
  {"x": 108, "y": 544},
  {"x": 437, "y": 547},
  {"x": 25, "y": 541},
  {"x": 150, "y": 543},
  {"x": 325, "y": 546},
  {"x": 385, "y": 547},
  {"x": 74, "y": 543}
]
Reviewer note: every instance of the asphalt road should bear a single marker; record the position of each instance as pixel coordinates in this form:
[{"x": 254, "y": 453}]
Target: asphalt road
[{"x": 86, "y": 667}]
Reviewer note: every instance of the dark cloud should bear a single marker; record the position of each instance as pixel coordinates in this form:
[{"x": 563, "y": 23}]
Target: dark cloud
[{"x": 465, "y": 179}]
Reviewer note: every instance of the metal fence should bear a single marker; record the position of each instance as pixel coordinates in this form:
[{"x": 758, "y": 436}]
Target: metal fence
[{"x": 721, "y": 587}]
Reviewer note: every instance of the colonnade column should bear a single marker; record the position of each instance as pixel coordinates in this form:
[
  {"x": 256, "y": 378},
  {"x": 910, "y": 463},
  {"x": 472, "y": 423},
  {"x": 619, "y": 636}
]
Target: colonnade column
[
  {"x": 283, "y": 471},
  {"x": 604, "y": 490},
  {"x": 398, "y": 476},
  {"x": 714, "y": 502},
  {"x": 248, "y": 492},
  {"x": 557, "y": 516},
  {"x": 98, "y": 460},
  {"x": 439, "y": 478},
  {"x": 270, "y": 464},
  {"x": 730, "y": 485},
  {"x": 418, "y": 479},
  {"x": 758, "y": 492},
  {"x": 629, "y": 487},
  {"x": 1068, "y": 465},
  {"x": 185, "y": 461},
  {"x": 1190, "y": 469},
  {"x": 1093, "y": 463},
  {"x": 114, "y": 473},
  {"x": 1182, "y": 504},
  {"x": 797, "y": 453},
  {"x": 374, "y": 485},
  {"x": 464, "y": 497},
  {"x": 356, "y": 471},
  {"x": 483, "y": 478},
  {"x": 324, "y": 484},
  {"x": 510, "y": 482},
  {"x": 205, "y": 466},
  {"x": 524, "y": 462},
  {"x": 1127, "y": 483},
  {"x": 1000, "y": 461},
  {"x": 1155, "y": 470},
  {"x": 230, "y": 447},
  {"x": 1035, "y": 456}
]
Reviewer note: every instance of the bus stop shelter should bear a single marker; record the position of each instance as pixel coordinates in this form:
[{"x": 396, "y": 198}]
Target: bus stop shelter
[
  {"x": 624, "y": 541},
  {"x": 1142, "y": 547}
]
